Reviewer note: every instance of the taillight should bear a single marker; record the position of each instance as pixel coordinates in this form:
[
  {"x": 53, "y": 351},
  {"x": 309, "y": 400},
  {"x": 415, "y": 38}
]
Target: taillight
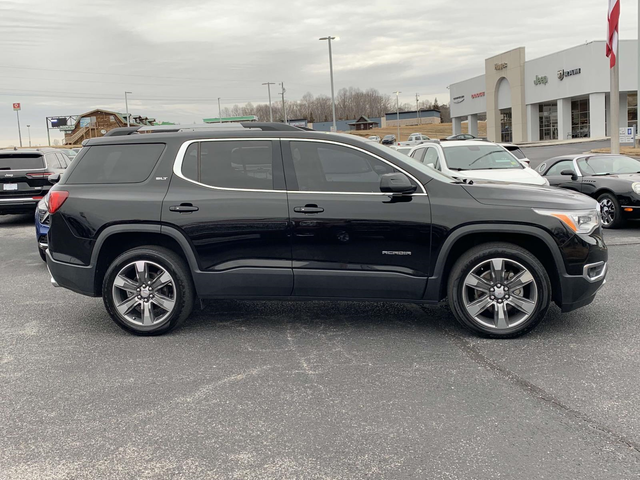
[
  {"x": 56, "y": 199},
  {"x": 39, "y": 174}
]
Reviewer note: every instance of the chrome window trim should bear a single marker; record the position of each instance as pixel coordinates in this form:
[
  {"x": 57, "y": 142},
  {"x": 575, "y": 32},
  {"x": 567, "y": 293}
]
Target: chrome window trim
[
  {"x": 628, "y": 206},
  {"x": 177, "y": 166}
]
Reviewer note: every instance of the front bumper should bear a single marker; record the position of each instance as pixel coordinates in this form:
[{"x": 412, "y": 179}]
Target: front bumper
[
  {"x": 580, "y": 290},
  {"x": 77, "y": 278}
]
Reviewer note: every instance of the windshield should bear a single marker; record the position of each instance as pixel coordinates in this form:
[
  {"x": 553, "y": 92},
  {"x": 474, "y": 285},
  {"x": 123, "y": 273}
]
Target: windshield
[
  {"x": 402, "y": 159},
  {"x": 609, "y": 164},
  {"x": 479, "y": 157}
]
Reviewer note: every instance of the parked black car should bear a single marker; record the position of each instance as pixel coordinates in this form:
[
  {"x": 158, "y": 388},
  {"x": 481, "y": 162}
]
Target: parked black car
[
  {"x": 389, "y": 140},
  {"x": 24, "y": 177},
  {"x": 614, "y": 180},
  {"x": 152, "y": 222}
]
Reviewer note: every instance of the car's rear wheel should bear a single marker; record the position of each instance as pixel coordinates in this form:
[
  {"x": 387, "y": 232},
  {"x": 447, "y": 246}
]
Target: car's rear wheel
[
  {"x": 499, "y": 290},
  {"x": 148, "y": 291},
  {"x": 610, "y": 211}
]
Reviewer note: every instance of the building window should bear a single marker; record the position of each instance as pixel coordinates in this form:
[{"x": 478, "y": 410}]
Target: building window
[
  {"x": 632, "y": 112},
  {"x": 548, "y": 114},
  {"x": 580, "y": 125},
  {"x": 506, "y": 134}
]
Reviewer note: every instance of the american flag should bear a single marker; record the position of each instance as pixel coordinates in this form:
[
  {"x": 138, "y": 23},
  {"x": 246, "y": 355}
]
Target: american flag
[{"x": 613, "y": 17}]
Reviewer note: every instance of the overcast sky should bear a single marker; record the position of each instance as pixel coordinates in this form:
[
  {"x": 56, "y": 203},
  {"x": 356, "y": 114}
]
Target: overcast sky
[{"x": 66, "y": 57}]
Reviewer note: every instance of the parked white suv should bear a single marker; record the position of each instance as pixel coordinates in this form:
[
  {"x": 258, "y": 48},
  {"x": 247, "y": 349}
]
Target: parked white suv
[{"x": 476, "y": 160}]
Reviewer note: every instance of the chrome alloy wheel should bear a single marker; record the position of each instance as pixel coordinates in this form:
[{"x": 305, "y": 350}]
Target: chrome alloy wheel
[
  {"x": 144, "y": 293},
  {"x": 607, "y": 211},
  {"x": 500, "y": 293}
]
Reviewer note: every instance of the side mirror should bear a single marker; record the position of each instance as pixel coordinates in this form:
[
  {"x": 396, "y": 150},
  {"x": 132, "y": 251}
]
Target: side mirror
[
  {"x": 569, "y": 173},
  {"x": 396, "y": 183},
  {"x": 55, "y": 178}
]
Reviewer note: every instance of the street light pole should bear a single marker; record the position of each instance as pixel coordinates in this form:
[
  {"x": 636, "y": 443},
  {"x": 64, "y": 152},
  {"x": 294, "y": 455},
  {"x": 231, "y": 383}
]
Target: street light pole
[
  {"x": 398, "y": 113},
  {"x": 284, "y": 105},
  {"x": 268, "y": 84},
  {"x": 219, "y": 112},
  {"x": 333, "y": 99},
  {"x": 418, "y": 105},
  {"x": 126, "y": 106},
  {"x": 29, "y": 131}
]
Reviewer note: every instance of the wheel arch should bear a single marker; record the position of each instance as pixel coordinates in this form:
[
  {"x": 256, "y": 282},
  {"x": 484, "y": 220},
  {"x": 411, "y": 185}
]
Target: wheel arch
[
  {"x": 533, "y": 239},
  {"x": 117, "y": 239}
]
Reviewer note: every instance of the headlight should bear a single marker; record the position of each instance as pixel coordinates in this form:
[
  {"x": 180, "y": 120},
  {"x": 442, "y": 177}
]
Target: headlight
[
  {"x": 636, "y": 187},
  {"x": 580, "y": 221},
  {"x": 546, "y": 182}
]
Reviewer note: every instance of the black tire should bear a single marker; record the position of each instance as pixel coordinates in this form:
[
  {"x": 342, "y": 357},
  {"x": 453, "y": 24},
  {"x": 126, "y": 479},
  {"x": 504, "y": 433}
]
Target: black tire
[
  {"x": 43, "y": 255},
  {"x": 184, "y": 291},
  {"x": 609, "y": 201},
  {"x": 475, "y": 257}
]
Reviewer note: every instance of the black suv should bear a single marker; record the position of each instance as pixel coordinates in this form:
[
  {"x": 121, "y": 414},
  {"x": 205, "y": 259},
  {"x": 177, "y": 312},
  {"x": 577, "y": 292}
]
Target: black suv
[
  {"x": 152, "y": 222},
  {"x": 24, "y": 177}
]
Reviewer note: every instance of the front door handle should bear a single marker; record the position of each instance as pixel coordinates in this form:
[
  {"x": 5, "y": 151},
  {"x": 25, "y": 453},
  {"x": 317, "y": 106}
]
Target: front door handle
[
  {"x": 309, "y": 209},
  {"x": 184, "y": 208}
]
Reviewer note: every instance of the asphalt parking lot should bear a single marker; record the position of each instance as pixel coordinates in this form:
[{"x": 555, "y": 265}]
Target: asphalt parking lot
[{"x": 314, "y": 390}]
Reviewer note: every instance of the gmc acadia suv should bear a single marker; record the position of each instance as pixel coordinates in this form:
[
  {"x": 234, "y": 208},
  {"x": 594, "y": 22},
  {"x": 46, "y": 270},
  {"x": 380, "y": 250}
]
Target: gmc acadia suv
[{"x": 151, "y": 222}]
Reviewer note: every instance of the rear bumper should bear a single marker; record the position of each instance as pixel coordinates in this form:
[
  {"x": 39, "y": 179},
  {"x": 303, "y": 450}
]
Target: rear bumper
[
  {"x": 77, "y": 278},
  {"x": 17, "y": 205}
]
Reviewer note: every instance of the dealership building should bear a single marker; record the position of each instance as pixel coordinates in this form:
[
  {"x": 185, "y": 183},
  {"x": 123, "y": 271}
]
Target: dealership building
[{"x": 558, "y": 96}]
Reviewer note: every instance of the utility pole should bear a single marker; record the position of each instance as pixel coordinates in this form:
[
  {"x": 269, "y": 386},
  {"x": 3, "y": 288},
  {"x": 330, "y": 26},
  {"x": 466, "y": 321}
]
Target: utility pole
[
  {"x": 284, "y": 106},
  {"x": 219, "y": 112},
  {"x": 333, "y": 99},
  {"x": 268, "y": 84},
  {"x": 29, "y": 131},
  {"x": 418, "y": 104},
  {"x": 398, "y": 113},
  {"x": 48, "y": 134},
  {"x": 126, "y": 106}
]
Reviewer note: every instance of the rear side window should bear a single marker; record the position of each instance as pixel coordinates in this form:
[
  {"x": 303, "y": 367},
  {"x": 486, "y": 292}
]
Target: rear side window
[
  {"x": 12, "y": 161},
  {"x": 245, "y": 164},
  {"x": 116, "y": 163},
  {"x": 519, "y": 154}
]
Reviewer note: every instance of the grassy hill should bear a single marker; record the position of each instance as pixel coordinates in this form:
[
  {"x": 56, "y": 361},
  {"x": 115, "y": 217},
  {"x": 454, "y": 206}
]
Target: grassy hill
[{"x": 440, "y": 130}]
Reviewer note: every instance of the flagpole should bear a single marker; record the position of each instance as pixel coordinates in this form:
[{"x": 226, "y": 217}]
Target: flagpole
[{"x": 614, "y": 129}]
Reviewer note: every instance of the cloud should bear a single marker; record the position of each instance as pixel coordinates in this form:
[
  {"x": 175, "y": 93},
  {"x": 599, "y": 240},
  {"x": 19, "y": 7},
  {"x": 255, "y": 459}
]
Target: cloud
[{"x": 178, "y": 58}]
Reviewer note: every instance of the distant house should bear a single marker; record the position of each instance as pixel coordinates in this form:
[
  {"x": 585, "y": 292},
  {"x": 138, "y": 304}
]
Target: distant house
[
  {"x": 363, "y": 123},
  {"x": 98, "y": 122}
]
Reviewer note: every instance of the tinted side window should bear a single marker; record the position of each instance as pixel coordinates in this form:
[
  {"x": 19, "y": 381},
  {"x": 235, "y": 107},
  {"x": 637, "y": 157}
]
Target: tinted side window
[
  {"x": 560, "y": 166},
  {"x": 132, "y": 163},
  {"x": 323, "y": 167},
  {"x": 237, "y": 164},
  {"x": 190, "y": 162}
]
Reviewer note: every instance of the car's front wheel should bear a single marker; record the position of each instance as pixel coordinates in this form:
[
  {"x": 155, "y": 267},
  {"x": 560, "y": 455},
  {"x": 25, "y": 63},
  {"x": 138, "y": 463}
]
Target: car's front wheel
[
  {"x": 499, "y": 290},
  {"x": 148, "y": 290}
]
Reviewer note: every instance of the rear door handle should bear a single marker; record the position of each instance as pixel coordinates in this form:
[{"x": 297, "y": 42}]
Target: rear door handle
[
  {"x": 309, "y": 209},
  {"x": 184, "y": 208}
]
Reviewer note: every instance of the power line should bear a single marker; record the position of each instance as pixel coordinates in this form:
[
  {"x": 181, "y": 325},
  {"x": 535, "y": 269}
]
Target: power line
[{"x": 113, "y": 74}]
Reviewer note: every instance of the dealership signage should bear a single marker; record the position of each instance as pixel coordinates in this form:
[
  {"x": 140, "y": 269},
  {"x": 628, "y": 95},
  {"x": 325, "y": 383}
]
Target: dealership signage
[
  {"x": 477, "y": 95},
  {"x": 568, "y": 73},
  {"x": 627, "y": 135},
  {"x": 501, "y": 66},
  {"x": 16, "y": 106},
  {"x": 543, "y": 80},
  {"x": 458, "y": 99}
]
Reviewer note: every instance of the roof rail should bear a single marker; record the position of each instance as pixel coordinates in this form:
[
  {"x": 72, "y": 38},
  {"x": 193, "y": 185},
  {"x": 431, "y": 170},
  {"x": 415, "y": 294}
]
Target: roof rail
[{"x": 201, "y": 127}]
